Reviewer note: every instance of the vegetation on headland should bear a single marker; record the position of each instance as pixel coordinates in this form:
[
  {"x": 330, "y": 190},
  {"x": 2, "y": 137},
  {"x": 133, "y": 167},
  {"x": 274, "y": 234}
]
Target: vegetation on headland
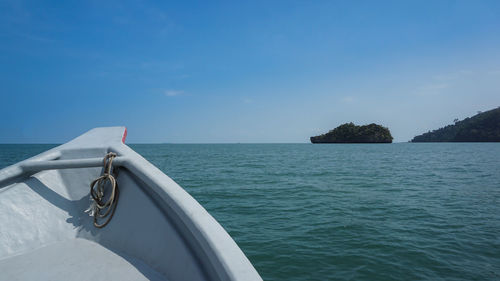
[
  {"x": 350, "y": 133},
  {"x": 483, "y": 127}
]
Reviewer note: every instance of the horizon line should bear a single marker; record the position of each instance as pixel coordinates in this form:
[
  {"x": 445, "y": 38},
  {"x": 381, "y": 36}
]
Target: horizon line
[{"x": 134, "y": 143}]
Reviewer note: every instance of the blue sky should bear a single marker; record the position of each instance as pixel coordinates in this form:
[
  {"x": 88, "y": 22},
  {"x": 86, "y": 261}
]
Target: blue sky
[{"x": 265, "y": 71}]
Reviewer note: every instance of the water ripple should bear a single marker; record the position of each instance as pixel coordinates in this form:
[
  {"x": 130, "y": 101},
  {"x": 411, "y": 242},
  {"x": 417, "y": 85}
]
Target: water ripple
[{"x": 343, "y": 212}]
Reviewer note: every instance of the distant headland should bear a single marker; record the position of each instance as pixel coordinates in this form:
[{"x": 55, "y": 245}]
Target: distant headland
[
  {"x": 482, "y": 127},
  {"x": 350, "y": 133}
]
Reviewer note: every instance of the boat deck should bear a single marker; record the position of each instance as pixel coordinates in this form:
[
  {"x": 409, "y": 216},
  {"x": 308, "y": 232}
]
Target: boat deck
[{"x": 76, "y": 259}]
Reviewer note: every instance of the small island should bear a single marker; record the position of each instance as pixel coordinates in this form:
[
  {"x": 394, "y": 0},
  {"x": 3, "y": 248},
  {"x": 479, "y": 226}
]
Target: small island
[
  {"x": 482, "y": 127},
  {"x": 350, "y": 133}
]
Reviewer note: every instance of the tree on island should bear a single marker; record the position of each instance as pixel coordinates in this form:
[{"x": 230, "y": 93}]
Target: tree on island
[
  {"x": 350, "y": 133},
  {"x": 483, "y": 127}
]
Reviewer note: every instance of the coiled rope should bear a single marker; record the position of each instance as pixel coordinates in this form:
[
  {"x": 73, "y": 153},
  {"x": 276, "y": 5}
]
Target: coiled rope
[{"x": 103, "y": 209}]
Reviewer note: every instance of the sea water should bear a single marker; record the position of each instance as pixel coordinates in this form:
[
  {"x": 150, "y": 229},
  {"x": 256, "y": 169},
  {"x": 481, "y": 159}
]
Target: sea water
[{"x": 406, "y": 211}]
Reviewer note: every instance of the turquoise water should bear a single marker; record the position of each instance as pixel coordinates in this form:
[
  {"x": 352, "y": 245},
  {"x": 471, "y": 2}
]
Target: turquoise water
[{"x": 347, "y": 211}]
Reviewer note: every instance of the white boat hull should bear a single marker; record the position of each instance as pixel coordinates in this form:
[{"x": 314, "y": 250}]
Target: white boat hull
[{"x": 158, "y": 232}]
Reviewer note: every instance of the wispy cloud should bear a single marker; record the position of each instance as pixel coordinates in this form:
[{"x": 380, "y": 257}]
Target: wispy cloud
[
  {"x": 452, "y": 75},
  {"x": 173, "y": 93},
  {"x": 437, "y": 86},
  {"x": 432, "y": 89},
  {"x": 441, "y": 82},
  {"x": 32, "y": 37},
  {"x": 348, "y": 99}
]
